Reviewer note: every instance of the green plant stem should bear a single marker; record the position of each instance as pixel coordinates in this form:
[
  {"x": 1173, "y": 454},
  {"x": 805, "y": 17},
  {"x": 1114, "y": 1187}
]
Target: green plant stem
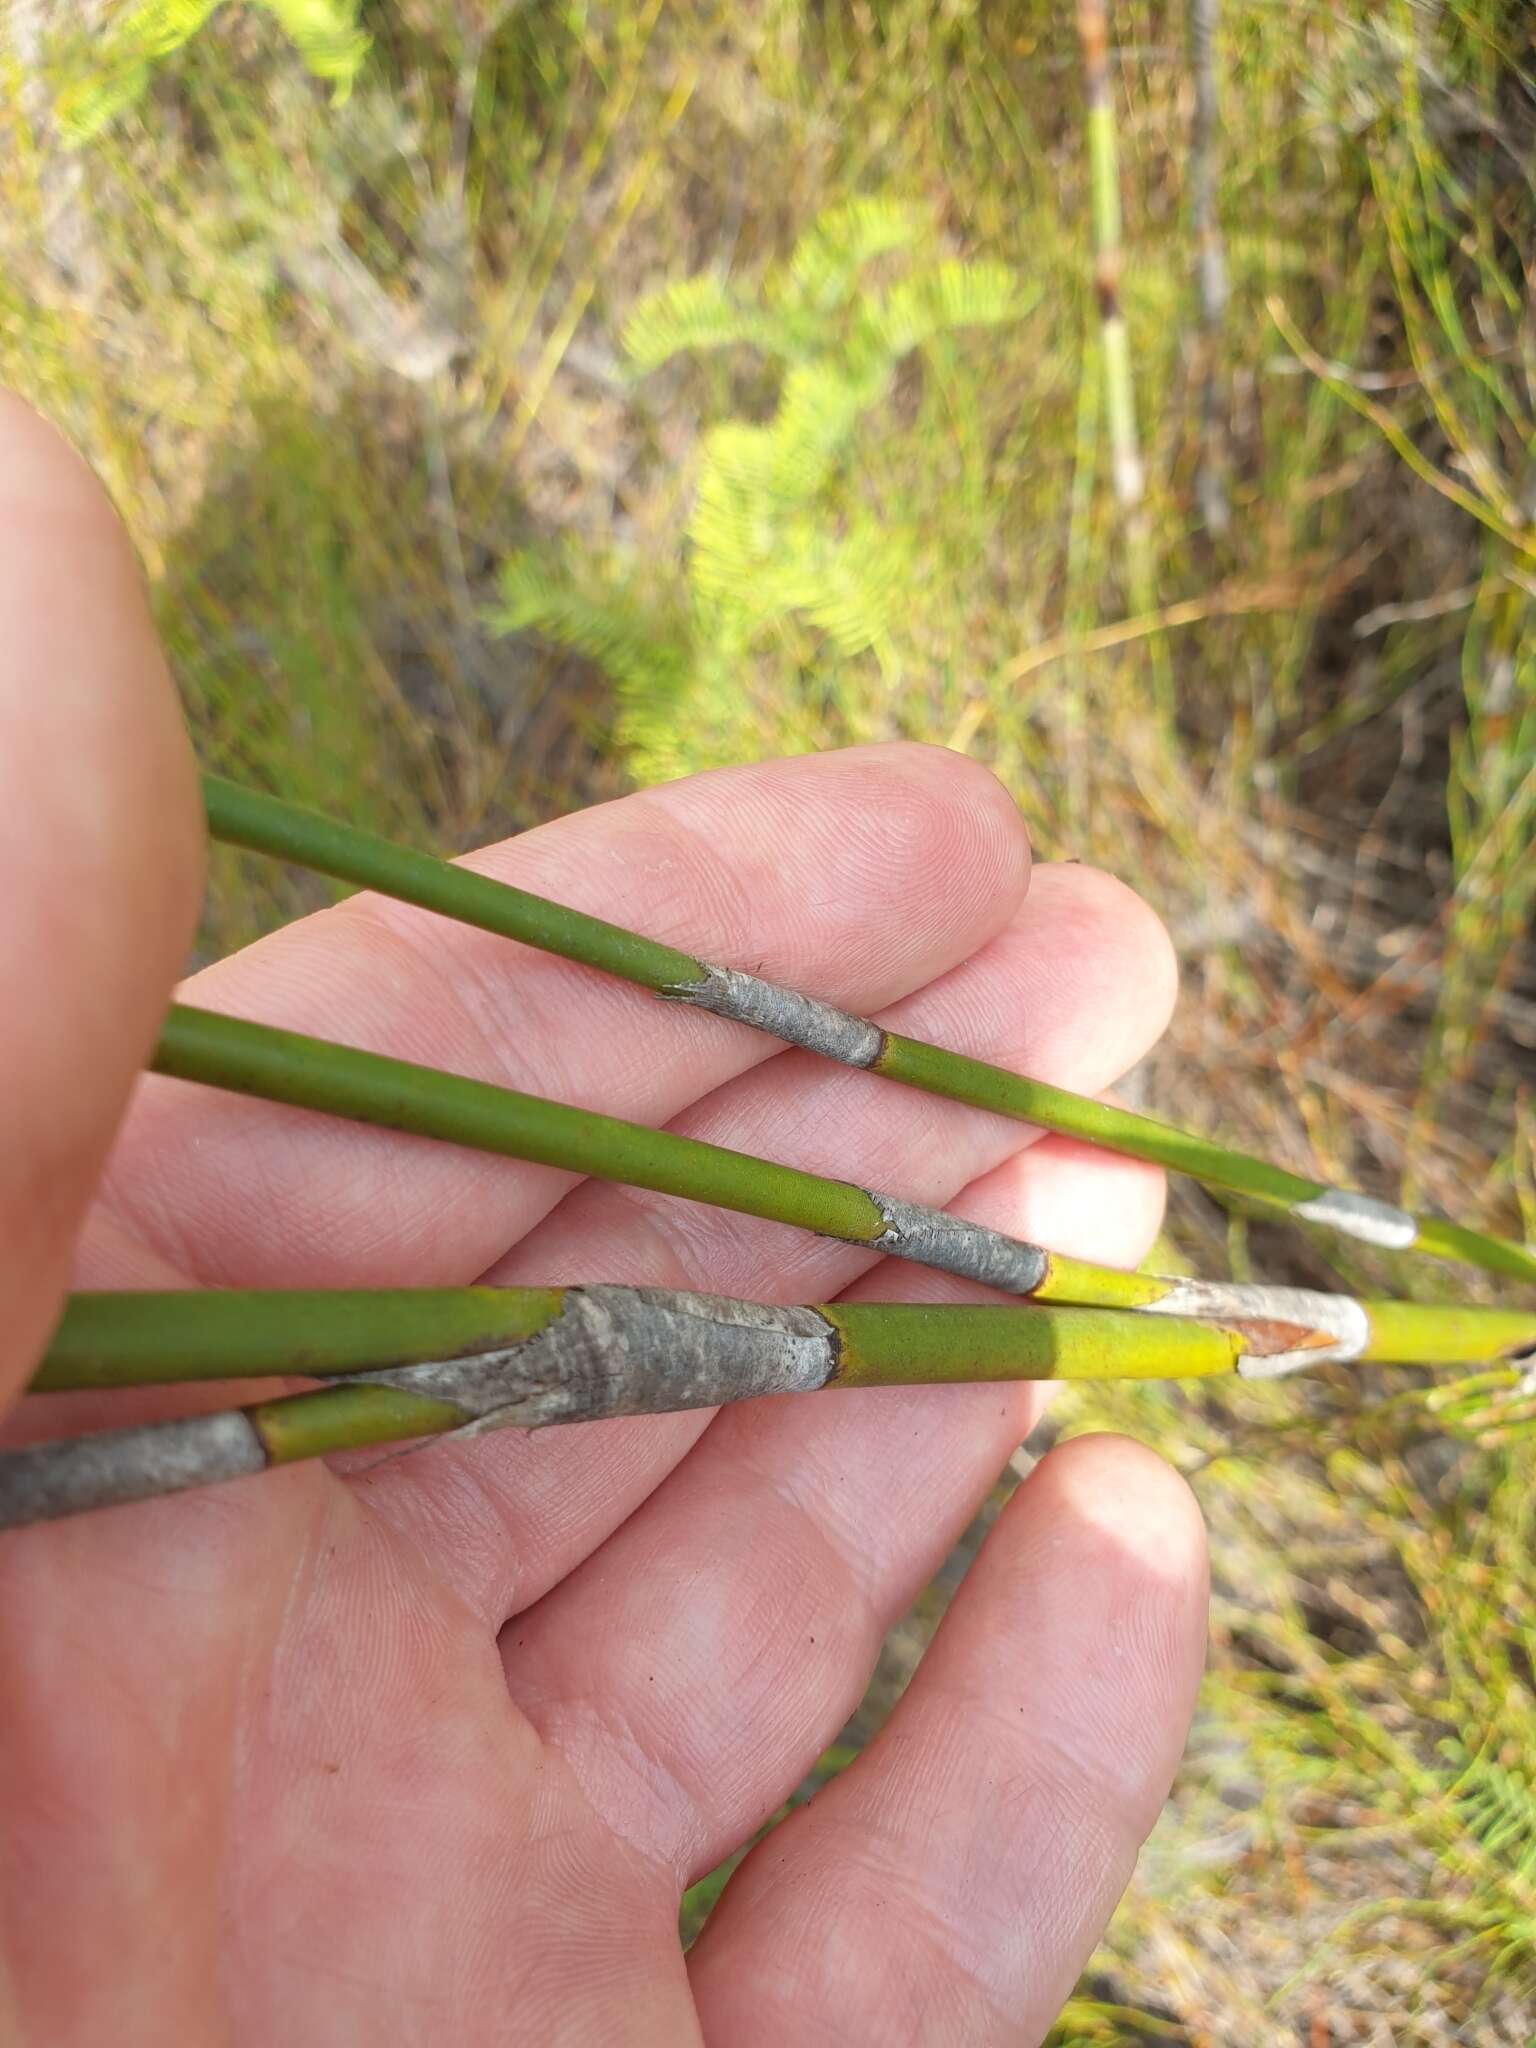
[
  {"x": 143, "y": 1338},
  {"x": 1104, "y": 188},
  {"x": 1416, "y": 1333},
  {"x": 264, "y": 824},
  {"x": 1210, "y": 261},
  {"x": 678, "y": 1352},
  {"x": 107, "y": 1341},
  {"x": 312, "y": 1073},
  {"x": 581, "y": 1354}
]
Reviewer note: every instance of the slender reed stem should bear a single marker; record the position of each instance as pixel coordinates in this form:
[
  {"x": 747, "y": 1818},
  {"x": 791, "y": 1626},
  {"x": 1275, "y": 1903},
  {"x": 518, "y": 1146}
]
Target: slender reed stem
[
  {"x": 581, "y": 1354},
  {"x": 109, "y": 1341},
  {"x": 312, "y": 1073},
  {"x": 264, "y": 824},
  {"x": 1104, "y": 183},
  {"x": 1126, "y": 470},
  {"x": 1210, "y": 261},
  {"x": 147, "y": 1338}
]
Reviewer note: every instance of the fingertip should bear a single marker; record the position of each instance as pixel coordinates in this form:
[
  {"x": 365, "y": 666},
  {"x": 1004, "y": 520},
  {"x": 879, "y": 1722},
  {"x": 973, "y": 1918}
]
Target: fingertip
[
  {"x": 62, "y": 528},
  {"x": 893, "y": 769},
  {"x": 971, "y": 804},
  {"x": 1129, "y": 1503},
  {"x": 85, "y": 684},
  {"x": 1109, "y": 1535},
  {"x": 1074, "y": 1198},
  {"x": 976, "y": 1849},
  {"x": 950, "y": 812},
  {"x": 1115, "y": 947},
  {"x": 917, "y": 852},
  {"x": 42, "y": 462},
  {"x": 960, "y": 779}
]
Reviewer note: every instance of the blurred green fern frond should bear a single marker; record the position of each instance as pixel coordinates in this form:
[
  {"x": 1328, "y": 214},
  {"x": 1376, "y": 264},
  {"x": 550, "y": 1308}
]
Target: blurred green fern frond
[
  {"x": 950, "y": 296},
  {"x": 1497, "y": 1807},
  {"x": 566, "y": 599},
  {"x": 781, "y": 545},
  {"x": 823, "y": 272},
  {"x": 787, "y": 462},
  {"x": 107, "y": 75},
  {"x": 695, "y": 313}
]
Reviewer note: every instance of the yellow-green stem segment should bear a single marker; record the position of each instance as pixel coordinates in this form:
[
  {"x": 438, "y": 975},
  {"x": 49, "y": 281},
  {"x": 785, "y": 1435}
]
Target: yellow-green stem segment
[
  {"x": 132, "y": 1339},
  {"x": 347, "y": 1418},
  {"x": 595, "y": 1351},
  {"x": 884, "y": 1344},
  {"x": 1416, "y": 1333},
  {"x": 114, "y": 1340}
]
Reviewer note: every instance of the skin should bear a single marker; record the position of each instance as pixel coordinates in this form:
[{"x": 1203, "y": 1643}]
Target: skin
[{"x": 429, "y": 1752}]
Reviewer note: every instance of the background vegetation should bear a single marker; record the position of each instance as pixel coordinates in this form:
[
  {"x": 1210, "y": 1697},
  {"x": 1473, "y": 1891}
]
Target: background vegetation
[{"x": 453, "y": 522}]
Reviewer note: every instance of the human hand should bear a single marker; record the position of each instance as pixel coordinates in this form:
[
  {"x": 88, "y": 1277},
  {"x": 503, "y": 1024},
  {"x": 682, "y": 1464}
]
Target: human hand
[{"x": 428, "y": 1753}]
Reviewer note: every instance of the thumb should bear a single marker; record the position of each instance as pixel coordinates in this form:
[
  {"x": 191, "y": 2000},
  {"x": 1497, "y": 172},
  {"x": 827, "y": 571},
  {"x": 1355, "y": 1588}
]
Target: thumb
[{"x": 100, "y": 859}]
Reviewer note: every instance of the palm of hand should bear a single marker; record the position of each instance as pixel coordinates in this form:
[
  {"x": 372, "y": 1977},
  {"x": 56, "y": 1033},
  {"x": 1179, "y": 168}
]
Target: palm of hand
[{"x": 428, "y": 1753}]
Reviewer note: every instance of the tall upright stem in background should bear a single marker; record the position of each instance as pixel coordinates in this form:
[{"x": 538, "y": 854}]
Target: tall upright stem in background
[
  {"x": 1104, "y": 175},
  {"x": 1210, "y": 261},
  {"x": 1114, "y": 338}
]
